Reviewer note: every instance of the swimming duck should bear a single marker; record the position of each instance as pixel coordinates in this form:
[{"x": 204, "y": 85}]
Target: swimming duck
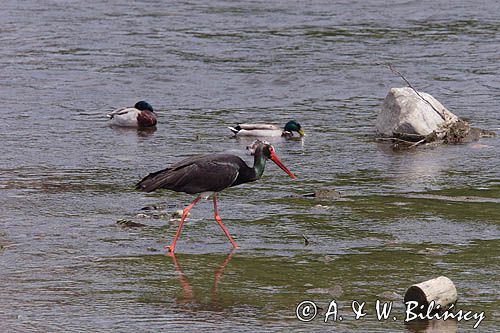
[
  {"x": 141, "y": 115},
  {"x": 267, "y": 129}
]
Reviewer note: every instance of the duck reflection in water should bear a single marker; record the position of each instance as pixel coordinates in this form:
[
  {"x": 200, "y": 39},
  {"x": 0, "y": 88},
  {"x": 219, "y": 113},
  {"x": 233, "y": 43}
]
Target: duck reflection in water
[
  {"x": 188, "y": 297},
  {"x": 135, "y": 132},
  {"x": 145, "y": 132}
]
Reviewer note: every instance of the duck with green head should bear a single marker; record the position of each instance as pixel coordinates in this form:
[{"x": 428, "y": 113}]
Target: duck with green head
[
  {"x": 139, "y": 116},
  {"x": 267, "y": 130}
]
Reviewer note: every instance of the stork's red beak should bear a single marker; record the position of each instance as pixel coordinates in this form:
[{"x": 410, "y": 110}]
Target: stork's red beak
[{"x": 276, "y": 160}]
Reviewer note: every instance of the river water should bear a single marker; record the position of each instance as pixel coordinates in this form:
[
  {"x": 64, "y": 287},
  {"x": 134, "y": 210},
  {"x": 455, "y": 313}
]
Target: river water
[{"x": 66, "y": 178}]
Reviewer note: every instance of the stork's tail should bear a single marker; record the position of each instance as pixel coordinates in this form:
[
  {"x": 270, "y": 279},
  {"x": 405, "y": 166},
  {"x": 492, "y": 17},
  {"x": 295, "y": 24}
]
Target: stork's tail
[{"x": 152, "y": 181}]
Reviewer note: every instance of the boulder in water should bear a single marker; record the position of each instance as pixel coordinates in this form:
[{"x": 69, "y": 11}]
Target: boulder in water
[{"x": 404, "y": 111}]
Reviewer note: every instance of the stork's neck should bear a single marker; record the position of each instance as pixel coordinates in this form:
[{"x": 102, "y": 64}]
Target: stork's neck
[{"x": 259, "y": 162}]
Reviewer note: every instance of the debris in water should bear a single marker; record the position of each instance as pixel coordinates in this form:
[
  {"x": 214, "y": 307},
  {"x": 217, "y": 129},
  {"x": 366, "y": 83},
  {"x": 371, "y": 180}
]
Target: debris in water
[
  {"x": 152, "y": 207},
  {"x": 439, "y": 293},
  {"x": 323, "y": 194},
  {"x": 130, "y": 224},
  {"x": 178, "y": 214}
]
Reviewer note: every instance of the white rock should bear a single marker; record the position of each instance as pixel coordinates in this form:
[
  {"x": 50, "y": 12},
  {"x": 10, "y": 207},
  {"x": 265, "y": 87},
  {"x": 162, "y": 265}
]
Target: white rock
[{"x": 405, "y": 112}]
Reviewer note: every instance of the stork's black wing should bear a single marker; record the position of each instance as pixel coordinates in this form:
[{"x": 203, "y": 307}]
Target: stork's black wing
[{"x": 210, "y": 173}]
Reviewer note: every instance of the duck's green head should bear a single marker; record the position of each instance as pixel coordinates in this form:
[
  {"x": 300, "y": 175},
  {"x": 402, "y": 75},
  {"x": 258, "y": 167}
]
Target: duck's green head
[
  {"x": 293, "y": 126},
  {"x": 142, "y": 105}
]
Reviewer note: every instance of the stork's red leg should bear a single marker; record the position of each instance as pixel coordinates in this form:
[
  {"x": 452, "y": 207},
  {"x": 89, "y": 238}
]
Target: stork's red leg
[
  {"x": 219, "y": 221},
  {"x": 184, "y": 214}
]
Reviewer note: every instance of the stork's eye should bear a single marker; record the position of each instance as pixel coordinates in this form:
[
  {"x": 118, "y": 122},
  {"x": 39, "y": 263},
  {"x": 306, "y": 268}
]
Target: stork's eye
[{"x": 268, "y": 150}]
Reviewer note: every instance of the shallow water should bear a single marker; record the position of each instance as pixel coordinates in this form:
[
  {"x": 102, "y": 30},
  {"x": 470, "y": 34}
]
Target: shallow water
[{"x": 66, "y": 178}]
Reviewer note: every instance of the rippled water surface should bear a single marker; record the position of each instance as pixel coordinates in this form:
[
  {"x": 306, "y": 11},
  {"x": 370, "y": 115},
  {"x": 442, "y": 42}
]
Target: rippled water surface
[{"x": 66, "y": 178}]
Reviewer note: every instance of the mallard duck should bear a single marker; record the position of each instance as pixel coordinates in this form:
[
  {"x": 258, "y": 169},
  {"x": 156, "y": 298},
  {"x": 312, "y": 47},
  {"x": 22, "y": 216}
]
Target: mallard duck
[
  {"x": 267, "y": 129},
  {"x": 141, "y": 115}
]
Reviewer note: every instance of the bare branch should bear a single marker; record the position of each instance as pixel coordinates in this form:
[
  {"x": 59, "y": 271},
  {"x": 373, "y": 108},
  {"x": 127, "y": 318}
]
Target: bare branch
[
  {"x": 418, "y": 142},
  {"x": 396, "y": 139},
  {"x": 415, "y": 90}
]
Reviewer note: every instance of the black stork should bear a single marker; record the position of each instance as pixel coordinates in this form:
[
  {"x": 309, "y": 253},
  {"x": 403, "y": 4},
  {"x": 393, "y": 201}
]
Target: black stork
[{"x": 208, "y": 174}]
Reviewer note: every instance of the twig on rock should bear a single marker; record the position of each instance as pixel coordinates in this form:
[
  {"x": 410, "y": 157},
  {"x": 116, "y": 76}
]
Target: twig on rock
[
  {"x": 417, "y": 143},
  {"x": 415, "y": 90},
  {"x": 410, "y": 143}
]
